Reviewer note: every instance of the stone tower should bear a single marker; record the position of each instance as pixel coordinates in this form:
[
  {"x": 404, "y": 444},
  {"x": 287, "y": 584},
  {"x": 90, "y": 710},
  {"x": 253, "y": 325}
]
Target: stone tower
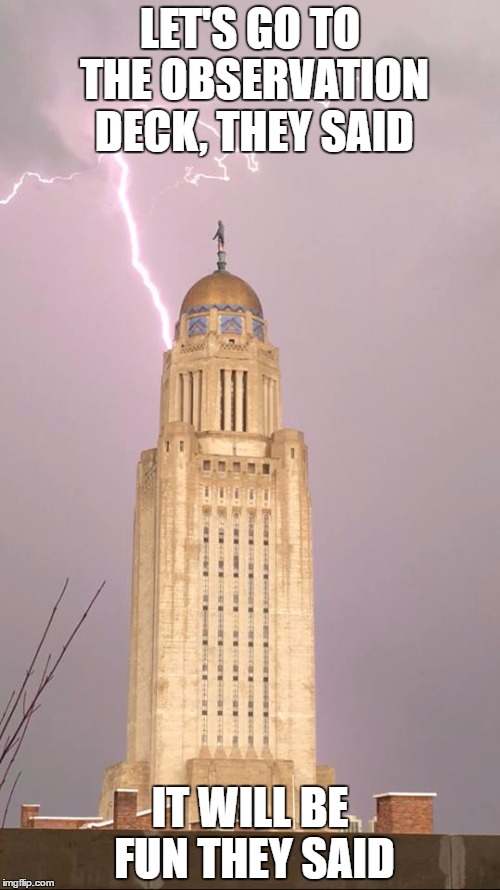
[{"x": 221, "y": 683}]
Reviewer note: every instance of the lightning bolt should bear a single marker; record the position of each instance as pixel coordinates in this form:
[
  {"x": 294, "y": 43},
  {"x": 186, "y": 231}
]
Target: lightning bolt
[
  {"x": 123, "y": 195},
  {"x": 123, "y": 189},
  {"x": 133, "y": 233},
  {"x": 135, "y": 252},
  {"x": 191, "y": 178},
  {"x": 43, "y": 180},
  {"x": 252, "y": 164}
]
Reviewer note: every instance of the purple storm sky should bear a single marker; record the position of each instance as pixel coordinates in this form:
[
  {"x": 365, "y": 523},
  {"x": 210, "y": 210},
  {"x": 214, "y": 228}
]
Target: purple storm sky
[{"x": 379, "y": 278}]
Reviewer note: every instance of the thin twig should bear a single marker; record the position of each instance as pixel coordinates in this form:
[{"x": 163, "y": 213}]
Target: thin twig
[
  {"x": 44, "y": 672},
  {"x": 74, "y": 633},
  {"x": 16, "y": 780},
  {"x": 20, "y": 730},
  {"x": 21, "y": 726},
  {"x": 7, "y": 707},
  {"x": 17, "y": 744},
  {"x": 29, "y": 672}
]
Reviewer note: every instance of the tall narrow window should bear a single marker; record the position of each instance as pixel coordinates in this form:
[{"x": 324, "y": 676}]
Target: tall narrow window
[
  {"x": 245, "y": 407},
  {"x": 233, "y": 400},
  {"x": 250, "y": 620},
  {"x": 221, "y": 399},
  {"x": 220, "y": 630},
  {"x": 265, "y": 632},
  {"x": 204, "y": 629},
  {"x": 236, "y": 609}
]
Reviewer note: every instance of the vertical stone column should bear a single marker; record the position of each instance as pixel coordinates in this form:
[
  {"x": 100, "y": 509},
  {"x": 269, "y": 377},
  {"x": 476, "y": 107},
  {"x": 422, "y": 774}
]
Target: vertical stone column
[
  {"x": 187, "y": 397},
  {"x": 278, "y": 404},
  {"x": 211, "y": 396},
  {"x": 265, "y": 402},
  {"x": 272, "y": 387},
  {"x": 291, "y": 613},
  {"x": 142, "y": 618},
  {"x": 175, "y": 651},
  {"x": 196, "y": 399},
  {"x": 175, "y": 412}
]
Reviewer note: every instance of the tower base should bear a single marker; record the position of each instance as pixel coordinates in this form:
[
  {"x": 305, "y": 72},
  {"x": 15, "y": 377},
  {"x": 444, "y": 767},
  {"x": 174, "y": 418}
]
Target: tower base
[{"x": 207, "y": 770}]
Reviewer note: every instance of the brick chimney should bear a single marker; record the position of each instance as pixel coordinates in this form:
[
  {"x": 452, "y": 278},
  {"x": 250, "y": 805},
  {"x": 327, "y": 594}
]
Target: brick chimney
[
  {"x": 405, "y": 813},
  {"x": 28, "y": 812},
  {"x": 125, "y": 809}
]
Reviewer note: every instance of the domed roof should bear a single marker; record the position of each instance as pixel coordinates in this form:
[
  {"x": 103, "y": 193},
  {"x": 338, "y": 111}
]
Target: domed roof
[{"x": 221, "y": 289}]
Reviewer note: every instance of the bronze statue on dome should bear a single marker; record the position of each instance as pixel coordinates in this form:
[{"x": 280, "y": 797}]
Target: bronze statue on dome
[{"x": 219, "y": 237}]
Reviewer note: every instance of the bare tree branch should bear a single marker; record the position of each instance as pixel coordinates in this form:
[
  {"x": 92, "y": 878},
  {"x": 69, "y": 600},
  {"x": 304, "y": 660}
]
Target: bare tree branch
[
  {"x": 23, "y": 704},
  {"x": 9, "y": 799},
  {"x": 7, "y": 707},
  {"x": 29, "y": 672},
  {"x": 44, "y": 672},
  {"x": 16, "y": 744}
]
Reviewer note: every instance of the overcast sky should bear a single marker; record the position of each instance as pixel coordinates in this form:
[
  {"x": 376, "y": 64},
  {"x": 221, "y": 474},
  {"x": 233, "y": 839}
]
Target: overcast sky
[{"x": 379, "y": 278}]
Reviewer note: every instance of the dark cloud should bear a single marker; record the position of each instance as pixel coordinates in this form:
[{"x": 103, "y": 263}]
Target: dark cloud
[
  {"x": 39, "y": 50},
  {"x": 27, "y": 137}
]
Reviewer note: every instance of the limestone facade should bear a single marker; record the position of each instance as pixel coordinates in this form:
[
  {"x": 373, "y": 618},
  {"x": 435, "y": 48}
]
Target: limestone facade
[{"x": 221, "y": 684}]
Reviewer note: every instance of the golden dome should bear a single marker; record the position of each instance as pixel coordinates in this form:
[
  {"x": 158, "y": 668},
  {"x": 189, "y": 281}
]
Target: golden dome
[{"x": 221, "y": 289}]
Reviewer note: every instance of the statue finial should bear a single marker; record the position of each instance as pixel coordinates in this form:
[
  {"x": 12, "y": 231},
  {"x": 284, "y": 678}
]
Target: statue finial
[{"x": 221, "y": 251}]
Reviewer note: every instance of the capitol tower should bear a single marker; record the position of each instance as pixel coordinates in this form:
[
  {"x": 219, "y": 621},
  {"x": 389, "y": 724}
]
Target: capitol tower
[{"x": 221, "y": 675}]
